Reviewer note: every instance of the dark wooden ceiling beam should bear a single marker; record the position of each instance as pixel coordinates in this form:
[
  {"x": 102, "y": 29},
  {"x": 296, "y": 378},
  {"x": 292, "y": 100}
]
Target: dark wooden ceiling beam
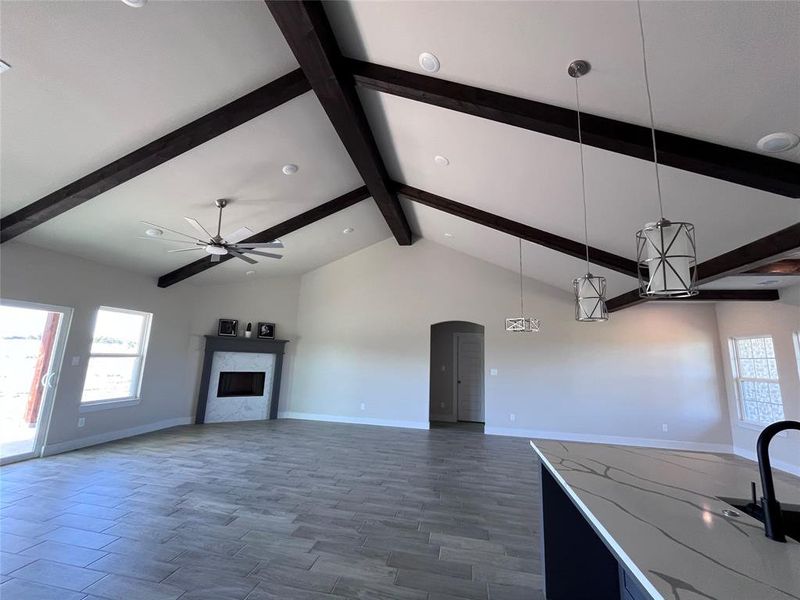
[
  {"x": 519, "y": 230},
  {"x": 743, "y": 258},
  {"x": 631, "y": 298},
  {"x": 273, "y": 233},
  {"x": 705, "y": 158},
  {"x": 155, "y": 153},
  {"x": 308, "y": 33},
  {"x": 782, "y": 268}
]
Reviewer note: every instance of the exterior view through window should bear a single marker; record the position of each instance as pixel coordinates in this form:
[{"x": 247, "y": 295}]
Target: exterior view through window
[
  {"x": 756, "y": 375},
  {"x": 115, "y": 364}
]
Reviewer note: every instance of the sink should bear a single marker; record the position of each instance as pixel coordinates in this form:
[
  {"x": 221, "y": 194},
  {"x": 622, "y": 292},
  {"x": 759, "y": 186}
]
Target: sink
[{"x": 790, "y": 513}]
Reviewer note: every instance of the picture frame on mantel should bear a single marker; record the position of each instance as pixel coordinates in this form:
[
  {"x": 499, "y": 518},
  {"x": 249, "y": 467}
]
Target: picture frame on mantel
[
  {"x": 228, "y": 327},
  {"x": 266, "y": 331}
]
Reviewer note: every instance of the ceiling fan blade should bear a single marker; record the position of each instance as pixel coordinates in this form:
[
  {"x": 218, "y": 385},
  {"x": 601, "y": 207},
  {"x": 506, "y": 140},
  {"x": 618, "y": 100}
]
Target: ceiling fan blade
[
  {"x": 215, "y": 257},
  {"x": 171, "y": 231},
  {"x": 185, "y": 249},
  {"x": 238, "y": 235},
  {"x": 199, "y": 228},
  {"x": 275, "y": 244},
  {"x": 246, "y": 259},
  {"x": 160, "y": 239},
  {"x": 267, "y": 254}
]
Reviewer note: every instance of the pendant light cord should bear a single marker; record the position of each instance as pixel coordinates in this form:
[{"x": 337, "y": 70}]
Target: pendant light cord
[
  {"x": 521, "y": 305},
  {"x": 650, "y": 105},
  {"x": 583, "y": 176}
]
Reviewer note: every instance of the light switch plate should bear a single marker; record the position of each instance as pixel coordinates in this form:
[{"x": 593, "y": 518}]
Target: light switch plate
[
  {"x": 493, "y": 372},
  {"x": 76, "y": 360},
  {"x": 81, "y": 421}
]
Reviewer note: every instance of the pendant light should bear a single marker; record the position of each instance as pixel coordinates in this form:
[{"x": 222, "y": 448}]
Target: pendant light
[
  {"x": 590, "y": 291},
  {"x": 666, "y": 254},
  {"x": 523, "y": 324}
]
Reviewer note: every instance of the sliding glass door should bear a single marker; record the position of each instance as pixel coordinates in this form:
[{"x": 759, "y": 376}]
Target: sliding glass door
[{"x": 32, "y": 339}]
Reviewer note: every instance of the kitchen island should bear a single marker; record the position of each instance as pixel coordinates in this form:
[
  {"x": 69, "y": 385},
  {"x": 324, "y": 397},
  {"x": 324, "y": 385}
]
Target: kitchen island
[{"x": 639, "y": 523}]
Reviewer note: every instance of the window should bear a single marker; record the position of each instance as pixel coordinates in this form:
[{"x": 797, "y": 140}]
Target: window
[
  {"x": 755, "y": 373},
  {"x": 116, "y": 360}
]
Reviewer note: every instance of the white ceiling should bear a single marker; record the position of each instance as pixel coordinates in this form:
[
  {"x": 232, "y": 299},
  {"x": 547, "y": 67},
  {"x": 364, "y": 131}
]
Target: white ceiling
[
  {"x": 753, "y": 282},
  {"x": 725, "y": 72},
  {"x": 243, "y": 164},
  {"x": 535, "y": 179},
  {"x": 91, "y": 81}
]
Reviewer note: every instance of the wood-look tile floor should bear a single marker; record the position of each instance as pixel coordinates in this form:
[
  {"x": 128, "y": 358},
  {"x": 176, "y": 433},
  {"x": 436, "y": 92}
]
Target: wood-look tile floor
[{"x": 275, "y": 510}]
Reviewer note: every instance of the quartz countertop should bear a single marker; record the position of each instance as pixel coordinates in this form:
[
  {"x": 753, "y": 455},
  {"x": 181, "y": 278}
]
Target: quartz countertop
[{"x": 658, "y": 512}]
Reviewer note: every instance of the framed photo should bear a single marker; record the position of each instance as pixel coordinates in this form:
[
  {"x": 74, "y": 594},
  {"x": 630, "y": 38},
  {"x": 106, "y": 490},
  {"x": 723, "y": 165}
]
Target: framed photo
[
  {"x": 266, "y": 331},
  {"x": 228, "y": 327}
]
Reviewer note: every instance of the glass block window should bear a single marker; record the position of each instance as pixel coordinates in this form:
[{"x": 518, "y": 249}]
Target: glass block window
[{"x": 756, "y": 376}]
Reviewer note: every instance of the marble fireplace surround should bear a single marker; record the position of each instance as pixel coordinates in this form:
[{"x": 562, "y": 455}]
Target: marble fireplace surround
[{"x": 236, "y": 344}]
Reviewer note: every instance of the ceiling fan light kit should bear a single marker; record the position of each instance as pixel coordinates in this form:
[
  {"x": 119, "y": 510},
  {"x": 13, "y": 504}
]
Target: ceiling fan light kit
[
  {"x": 590, "y": 291},
  {"x": 217, "y": 245},
  {"x": 666, "y": 253}
]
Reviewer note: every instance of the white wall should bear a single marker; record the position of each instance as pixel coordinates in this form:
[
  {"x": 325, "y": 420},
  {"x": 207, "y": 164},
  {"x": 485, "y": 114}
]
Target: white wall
[
  {"x": 271, "y": 300},
  {"x": 35, "y": 275},
  {"x": 780, "y": 320},
  {"x": 364, "y": 331}
]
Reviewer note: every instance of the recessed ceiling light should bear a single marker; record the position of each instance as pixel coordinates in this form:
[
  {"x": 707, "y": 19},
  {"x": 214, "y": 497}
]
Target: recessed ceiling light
[
  {"x": 347, "y": 230},
  {"x": 428, "y": 62},
  {"x": 153, "y": 232},
  {"x": 778, "y": 142},
  {"x": 250, "y": 272},
  {"x": 448, "y": 235},
  {"x": 290, "y": 169},
  {"x": 135, "y": 3},
  {"x": 440, "y": 160},
  {"x": 4, "y": 66}
]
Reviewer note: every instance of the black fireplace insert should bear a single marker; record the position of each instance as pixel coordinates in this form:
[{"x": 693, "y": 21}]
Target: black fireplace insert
[{"x": 240, "y": 383}]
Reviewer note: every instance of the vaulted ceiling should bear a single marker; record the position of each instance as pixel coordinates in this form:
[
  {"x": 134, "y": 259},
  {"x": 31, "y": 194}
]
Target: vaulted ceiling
[{"x": 93, "y": 81}]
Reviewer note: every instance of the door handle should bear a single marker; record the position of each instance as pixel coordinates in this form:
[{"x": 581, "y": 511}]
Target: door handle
[{"x": 49, "y": 382}]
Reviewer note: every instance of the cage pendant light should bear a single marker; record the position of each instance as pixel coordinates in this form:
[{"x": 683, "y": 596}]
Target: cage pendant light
[
  {"x": 666, "y": 254},
  {"x": 522, "y": 323},
  {"x": 590, "y": 290}
]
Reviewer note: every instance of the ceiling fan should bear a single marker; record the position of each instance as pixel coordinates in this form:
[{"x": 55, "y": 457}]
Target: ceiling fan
[{"x": 216, "y": 245}]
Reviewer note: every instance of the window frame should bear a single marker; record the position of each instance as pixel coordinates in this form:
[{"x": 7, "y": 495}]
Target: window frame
[
  {"x": 138, "y": 372},
  {"x": 738, "y": 378}
]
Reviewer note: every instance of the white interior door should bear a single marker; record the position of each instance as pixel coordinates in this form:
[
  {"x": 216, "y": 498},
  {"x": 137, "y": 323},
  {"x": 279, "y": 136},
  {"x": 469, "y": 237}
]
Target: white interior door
[
  {"x": 32, "y": 340},
  {"x": 469, "y": 370}
]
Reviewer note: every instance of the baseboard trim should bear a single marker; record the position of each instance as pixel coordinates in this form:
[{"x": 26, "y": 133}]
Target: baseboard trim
[
  {"x": 776, "y": 464},
  {"x": 111, "y": 436},
  {"x": 610, "y": 439},
  {"x": 355, "y": 420}
]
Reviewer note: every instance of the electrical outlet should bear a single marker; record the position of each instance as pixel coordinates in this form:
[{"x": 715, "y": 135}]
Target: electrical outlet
[
  {"x": 441, "y": 405},
  {"x": 664, "y": 427},
  {"x": 512, "y": 417},
  {"x": 81, "y": 421},
  {"x": 444, "y": 368},
  {"x": 363, "y": 406},
  {"x": 76, "y": 360},
  {"x": 493, "y": 371}
]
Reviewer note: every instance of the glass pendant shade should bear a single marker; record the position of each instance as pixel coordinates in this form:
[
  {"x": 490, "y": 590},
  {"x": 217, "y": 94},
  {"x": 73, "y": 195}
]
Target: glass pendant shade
[
  {"x": 590, "y": 298},
  {"x": 666, "y": 259}
]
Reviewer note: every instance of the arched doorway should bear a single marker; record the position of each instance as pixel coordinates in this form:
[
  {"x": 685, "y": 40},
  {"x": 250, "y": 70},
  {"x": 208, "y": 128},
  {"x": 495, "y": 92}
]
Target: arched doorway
[{"x": 456, "y": 373}]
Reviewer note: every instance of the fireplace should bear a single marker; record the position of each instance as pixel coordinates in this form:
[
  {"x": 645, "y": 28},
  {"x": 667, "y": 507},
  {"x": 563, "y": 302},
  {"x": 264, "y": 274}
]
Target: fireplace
[{"x": 240, "y": 383}]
